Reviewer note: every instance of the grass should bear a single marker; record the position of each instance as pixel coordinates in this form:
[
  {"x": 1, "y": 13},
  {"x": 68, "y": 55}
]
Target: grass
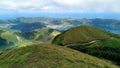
[
  {"x": 44, "y": 35},
  {"x": 13, "y": 39},
  {"x": 50, "y": 56},
  {"x": 107, "y": 45},
  {"x": 9, "y": 36},
  {"x": 80, "y": 34}
]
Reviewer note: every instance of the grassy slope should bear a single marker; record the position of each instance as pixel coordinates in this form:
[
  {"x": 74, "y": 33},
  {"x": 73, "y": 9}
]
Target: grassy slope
[
  {"x": 43, "y": 35},
  {"x": 50, "y": 56},
  {"x": 108, "y": 47},
  {"x": 13, "y": 39},
  {"x": 80, "y": 34},
  {"x": 9, "y": 36}
]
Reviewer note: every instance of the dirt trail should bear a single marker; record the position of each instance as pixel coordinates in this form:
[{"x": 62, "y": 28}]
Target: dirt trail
[{"x": 91, "y": 42}]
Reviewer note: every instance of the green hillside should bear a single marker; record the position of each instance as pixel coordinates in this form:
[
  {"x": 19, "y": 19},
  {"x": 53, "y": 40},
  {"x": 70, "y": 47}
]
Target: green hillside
[
  {"x": 43, "y": 35},
  {"x": 93, "y": 41},
  {"x": 50, "y": 56},
  {"x": 80, "y": 34},
  {"x": 10, "y": 39}
]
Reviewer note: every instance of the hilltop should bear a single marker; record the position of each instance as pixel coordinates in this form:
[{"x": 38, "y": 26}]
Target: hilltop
[
  {"x": 50, "y": 56},
  {"x": 91, "y": 40},
  {"x": 80, "y": 34}
]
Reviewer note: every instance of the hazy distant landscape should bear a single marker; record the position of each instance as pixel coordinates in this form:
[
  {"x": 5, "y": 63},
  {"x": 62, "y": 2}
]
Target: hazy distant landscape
[{"x": 25, "y": 24}]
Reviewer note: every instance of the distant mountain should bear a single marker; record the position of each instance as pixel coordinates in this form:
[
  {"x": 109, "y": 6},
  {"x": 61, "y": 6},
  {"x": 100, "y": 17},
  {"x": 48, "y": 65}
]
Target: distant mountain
[
  {"x": 111, "y": 25},
  {"x": 26, "y": 27},
  {"x": 50, "y": 56},
  {"x": 91, "y": 40}
]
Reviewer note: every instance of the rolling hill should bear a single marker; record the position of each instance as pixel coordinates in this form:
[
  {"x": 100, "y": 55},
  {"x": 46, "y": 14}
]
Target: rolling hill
[
  {"x": 43, "y": 35},
  {"x": 50, "y": 56},
  {"x": 81, "y": 34},
  {"x": 10, "y": 39},
  {"x": 91, "y": 40},
  {"x": 20, "y": 32}
]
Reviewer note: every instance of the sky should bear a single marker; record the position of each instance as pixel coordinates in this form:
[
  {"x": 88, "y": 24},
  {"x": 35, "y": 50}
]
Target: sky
[{"x": 49, "y": 8}]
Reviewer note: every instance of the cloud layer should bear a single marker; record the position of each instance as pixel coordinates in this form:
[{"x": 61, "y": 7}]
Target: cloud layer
[{"x": 61, "y": 5}]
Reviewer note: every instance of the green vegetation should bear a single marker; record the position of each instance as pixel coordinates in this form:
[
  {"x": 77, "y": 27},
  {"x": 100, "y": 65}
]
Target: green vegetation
[
  {"x": 43, "y": 35},
  {"x": 9, "y": 36},
  {"x": 2, "y": 41},
  {"x": 50, "y": 56},
  {"x": 80, "y": 34},
  {"x": 21, "y": 33},
  {"x": 104, "y": 44},
  {"x": 9, "y": 39}
]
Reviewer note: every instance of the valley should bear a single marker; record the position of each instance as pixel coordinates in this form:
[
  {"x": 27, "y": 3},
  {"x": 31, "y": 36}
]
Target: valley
[
  {"x": 59, "y": 34},
  {"x": 90, "y": 43}
]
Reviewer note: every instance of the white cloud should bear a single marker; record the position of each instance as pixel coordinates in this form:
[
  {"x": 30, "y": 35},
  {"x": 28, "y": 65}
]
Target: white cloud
[
  {"x": 61, "y": 5},
  {"x": 91, "y": 5}
]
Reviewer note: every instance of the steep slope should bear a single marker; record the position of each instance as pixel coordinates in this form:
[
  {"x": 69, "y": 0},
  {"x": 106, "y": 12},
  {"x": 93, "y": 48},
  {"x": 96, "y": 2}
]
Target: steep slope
[
  {"x": 92, "y": 41},
  {"x": 50, "y": 56},
  {"x": 10, "y": 36},
  {"x": 43, "y": 35},
  {"x": 8, "y": 39},
  {"x": 15, "y": 38}
]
